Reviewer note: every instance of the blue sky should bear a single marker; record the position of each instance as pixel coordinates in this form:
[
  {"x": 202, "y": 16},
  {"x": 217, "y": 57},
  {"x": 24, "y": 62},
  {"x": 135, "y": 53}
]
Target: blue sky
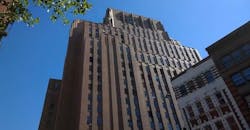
[{"x": 30, "y": 56}]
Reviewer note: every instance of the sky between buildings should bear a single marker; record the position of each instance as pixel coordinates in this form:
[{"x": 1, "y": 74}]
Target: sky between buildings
[{"x": 30, "y": 56}]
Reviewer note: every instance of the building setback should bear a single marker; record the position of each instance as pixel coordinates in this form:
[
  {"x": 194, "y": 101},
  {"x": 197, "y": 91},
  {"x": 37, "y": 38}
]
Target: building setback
[
  {"x": 231, "y": 55},
  {"x": 117, "y": 76},
  {"x": 205, "y": 101}
]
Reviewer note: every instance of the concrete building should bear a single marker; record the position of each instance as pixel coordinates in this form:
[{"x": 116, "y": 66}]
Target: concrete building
[
  {"x": 231, "y": 55},
  {"x": 117, "y": 75},
  {"x": 50, "y": 105},
  {"x": 205, "y": 101}
]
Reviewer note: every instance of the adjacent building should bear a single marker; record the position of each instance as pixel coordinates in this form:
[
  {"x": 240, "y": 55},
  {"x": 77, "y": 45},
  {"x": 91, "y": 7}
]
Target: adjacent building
[
  {"x": 50, "y": 105},
  {"x": 205, "y": 100},
  {"x": 231, "y": 55},
  {"x": 117, "y": 76}
]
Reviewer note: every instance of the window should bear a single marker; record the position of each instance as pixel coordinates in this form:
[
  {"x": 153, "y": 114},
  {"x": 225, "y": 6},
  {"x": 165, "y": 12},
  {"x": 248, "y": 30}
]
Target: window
[
  {"x": 207, "y": 127},
  {"x": 199, "y": 107},
  {"x": 238, "y": 79},
  {"x": 191, "y": 85},
  {"x": 209, "y": 76},
  {"x": 246, "y": 73},
  {"x": 220, "y": 98},
  {"x": 130, "y": 123},
  {"x": 162, "y": 62},
  {"x": 246, "y": 50},
  {"x": 90, "y": 59},
  {"x": 227, "y": 61},
  {"x": 219, "y": 125},
  {"x": 190, "y": 111},
  {"x": 209, "y": 102},
  {"x": 183, "y": 90},
  {"x": 99, "y": 120},
  {"x": 155, "y": 59},
  {"x": 142, "y": 58},
  {"x": 199, "y": 81},
  {"x": 149, "y": 59},
  {"x": 232, "y": 123},
  {"x": 89, "y": 120},
  {"x": 152, "y": 125},
  {"x": 247, "y": 98},
  {"x": 237, "y": 56}
]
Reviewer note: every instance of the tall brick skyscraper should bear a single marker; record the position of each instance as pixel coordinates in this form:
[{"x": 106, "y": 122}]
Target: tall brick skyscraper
[{"x": 117, "y": 76}]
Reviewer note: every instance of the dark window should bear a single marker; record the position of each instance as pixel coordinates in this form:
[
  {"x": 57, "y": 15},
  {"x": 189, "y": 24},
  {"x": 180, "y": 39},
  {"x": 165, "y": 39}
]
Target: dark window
[
  {"x": 199, "y": 81},
  {"x": 209, "y": 102},
  {"x": 130, "y": 123},
  {"x": 122, "y": 38},
  {"x": 142, "y": 57},
  {"x": 238, "y": 79},
  {"x": 246, "y": 50},
  {"x": 209, "y": 76},
  {"x": 246, "y": 73},
  {"x": 247, "y": 98},
  {"x": 90, "y": 59},
  {"x": 99, "y": 120},
  {"x": 99, "y": 97},
  {"x": 227, "y": 61},
  {"x": 99, "y": 69},
  {"x": 190, "y": 111},
  {"x": 97, "y": 33},
  {"x": 219, "y": 125},
  {"x": 149, "y": 59},
  {"x": 92, "y": 50},
  {"x": 237, "y": 56},
  {"x": 155, "y": 59},
  {"x": 220, "y": 98},
  {"x": 162, "y": 62},
  {"x": 183, "y": 90},
  {"x": 152, "y": 125},
  {"x": 89, "y": 120},
  {"x": 232, "y": 123},
  {"x": 161, "y": 126},
  {"x": 199, "y": 107},
  {"x": 207, "y": 127},
  {"x": 191, "y": 85}
]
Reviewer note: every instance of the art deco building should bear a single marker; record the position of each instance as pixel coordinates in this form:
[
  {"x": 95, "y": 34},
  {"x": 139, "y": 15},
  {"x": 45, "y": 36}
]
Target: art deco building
[
  {"x": 205, "y": 100},
  {"x": 231, "y": 55},
  {"x": 117, "y": 76}
]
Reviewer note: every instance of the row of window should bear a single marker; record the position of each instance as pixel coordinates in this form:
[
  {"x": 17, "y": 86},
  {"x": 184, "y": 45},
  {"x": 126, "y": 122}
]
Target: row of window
[
  {"x": 231, "y": 122},
  {"x": 241, "y": 77},
  {"x": 158, "y": 102},
  {"x": 143, "y": 33},
  {"x": 196, "y": 82},
  {"x": 128, "y": 93},
  {"x": 153, "y": 59},
  {"x": 99, "y": 86},
  {"x": 167, "y": 49},
  {"x": 209, "y": 103},
  {"x": 139, "y": 21},
  {"x": 158, "y": 48},
  {"x": 236, "y": 56}
]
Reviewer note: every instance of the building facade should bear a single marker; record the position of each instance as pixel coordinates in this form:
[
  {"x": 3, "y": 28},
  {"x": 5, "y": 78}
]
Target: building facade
[
  {"x": 231, "y": 55},
  {"x": 117, "y": 75},
  {"x": 205, "y": 101},
  {"x": 50, "y": 105}
]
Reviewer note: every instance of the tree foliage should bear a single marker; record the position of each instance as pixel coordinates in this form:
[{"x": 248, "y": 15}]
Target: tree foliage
[{"x": 17, "y": 10}]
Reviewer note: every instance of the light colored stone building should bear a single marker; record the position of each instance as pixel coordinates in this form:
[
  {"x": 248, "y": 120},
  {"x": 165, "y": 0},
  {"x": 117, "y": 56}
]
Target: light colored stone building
[{"x": 205, "y": 101}]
